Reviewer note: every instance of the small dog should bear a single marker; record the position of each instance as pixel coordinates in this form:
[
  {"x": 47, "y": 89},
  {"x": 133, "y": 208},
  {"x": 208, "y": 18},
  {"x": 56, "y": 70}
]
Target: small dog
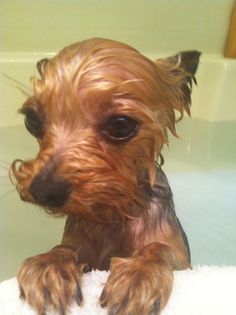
[{"x": 100, "y": 112}]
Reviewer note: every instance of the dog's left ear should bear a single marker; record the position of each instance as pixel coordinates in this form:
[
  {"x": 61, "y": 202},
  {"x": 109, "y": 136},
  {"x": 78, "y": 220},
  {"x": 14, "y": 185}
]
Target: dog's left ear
[
  {"x": 177, "y": 74},
  {"x": 41, "y": 64}
]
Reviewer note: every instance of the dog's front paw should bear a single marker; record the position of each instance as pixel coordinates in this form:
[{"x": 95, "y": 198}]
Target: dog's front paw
[
  {"x": 136, "y": 286},
  {"x": 51, "y": 280}
]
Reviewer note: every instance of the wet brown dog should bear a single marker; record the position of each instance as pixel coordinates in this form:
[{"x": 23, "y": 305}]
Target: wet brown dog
[{"x": 100, "y": 112}]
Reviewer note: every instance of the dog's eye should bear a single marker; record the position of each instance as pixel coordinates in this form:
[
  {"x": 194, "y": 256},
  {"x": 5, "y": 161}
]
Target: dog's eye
[
  {"x": 33, "y": 123},
  {"x": 120, "y": 127}
]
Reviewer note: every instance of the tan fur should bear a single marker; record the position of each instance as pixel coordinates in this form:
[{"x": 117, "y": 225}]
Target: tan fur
[
  {"x": 110, "y": 211},
  {"x": 56, "y": 274}
]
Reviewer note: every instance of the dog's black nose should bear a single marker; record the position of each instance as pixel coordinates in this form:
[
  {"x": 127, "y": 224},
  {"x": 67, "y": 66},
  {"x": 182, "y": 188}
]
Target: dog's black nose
[{"x": 49, "y": 192}]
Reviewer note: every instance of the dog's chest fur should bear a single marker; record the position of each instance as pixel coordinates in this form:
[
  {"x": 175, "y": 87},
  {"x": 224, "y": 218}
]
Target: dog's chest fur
[{"x": 97, "y": 243}]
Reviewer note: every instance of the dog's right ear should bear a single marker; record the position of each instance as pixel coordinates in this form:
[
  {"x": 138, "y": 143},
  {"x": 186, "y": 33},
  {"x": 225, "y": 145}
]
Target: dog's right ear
[
  {"x": 189, "y": 60},
  {"x": 177, "y": 74},
  {"x": 41, "y": 64},
  {"x": 186, "y": 60}
]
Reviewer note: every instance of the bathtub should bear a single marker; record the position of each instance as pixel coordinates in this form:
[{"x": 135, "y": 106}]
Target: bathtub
[{"x": 200, "y": 165}]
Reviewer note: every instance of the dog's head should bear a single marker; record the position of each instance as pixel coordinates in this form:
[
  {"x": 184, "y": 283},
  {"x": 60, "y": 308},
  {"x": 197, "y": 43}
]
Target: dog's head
[{"x": 100, "y": 112}]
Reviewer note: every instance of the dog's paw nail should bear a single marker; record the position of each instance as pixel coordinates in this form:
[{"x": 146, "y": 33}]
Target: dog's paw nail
[
  {"x": 156, "y": 307},
  {"x": 79, "y": 295},
  {"x": 62, "y": 308},
  {"x": 22, "y": 293},
  {"x": 116, "y": 309},
  {"x": 47, "y": 296},
  {"x": 85, "y": 268},
  {"x": 102, "y": 299}
]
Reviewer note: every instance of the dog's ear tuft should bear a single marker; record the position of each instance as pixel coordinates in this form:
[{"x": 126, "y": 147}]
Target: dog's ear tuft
[
  {"x": 189, "y": 60},
  {"x": 177, "y": 74},
  {"x": 41, "y": 64}
]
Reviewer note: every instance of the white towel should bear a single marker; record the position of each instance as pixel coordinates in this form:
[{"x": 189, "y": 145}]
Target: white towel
[{"x": 206, "y": 290}]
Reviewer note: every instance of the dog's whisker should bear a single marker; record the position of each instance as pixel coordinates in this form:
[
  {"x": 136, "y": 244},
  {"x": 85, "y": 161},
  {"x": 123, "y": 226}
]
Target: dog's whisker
[
  {"x": 4, "y": 195},
  {"x": 25, "y": 89},
  {"x": 4, "y": 176},
  {"x": 4, "y": 162},
  {"x": 4, "y": 168}
]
